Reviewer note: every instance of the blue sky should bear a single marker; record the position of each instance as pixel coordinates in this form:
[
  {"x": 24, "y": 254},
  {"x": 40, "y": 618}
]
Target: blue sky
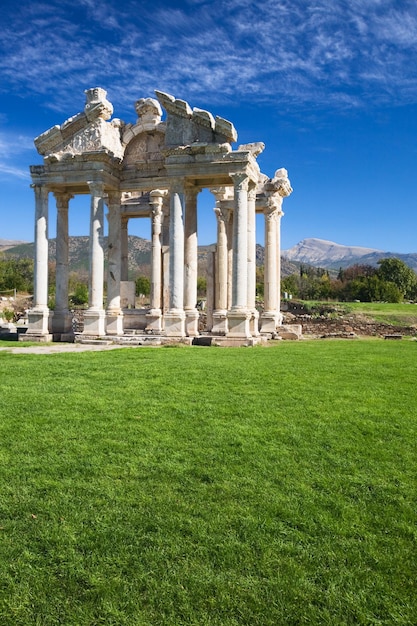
[{"x": 330, "y": 86}]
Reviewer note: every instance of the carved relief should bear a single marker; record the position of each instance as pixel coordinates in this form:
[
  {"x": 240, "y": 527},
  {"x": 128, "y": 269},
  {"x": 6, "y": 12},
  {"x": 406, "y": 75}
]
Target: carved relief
[{"x": 144, "y": 149}]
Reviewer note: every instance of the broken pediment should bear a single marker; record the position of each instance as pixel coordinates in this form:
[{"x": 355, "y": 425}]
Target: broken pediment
[
  {"x": 185, "y": 126},
  {"x": 88, "y": 131}
]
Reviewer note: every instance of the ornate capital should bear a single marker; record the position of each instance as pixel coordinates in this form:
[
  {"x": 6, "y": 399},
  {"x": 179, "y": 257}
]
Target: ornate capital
[
  {"x": 222, "y": 193},
  {"x": 114, "y": 198},
  {"x": 62, "y": 199},
  {"x": 177, "y": 185},
  {"x": 96, "y": 188},
  {"x": 280, "y": 184},
  {"x": 222, "y": 214},
  {"x": 240, "y": 181},
  {"x": 41, "y": 192}
]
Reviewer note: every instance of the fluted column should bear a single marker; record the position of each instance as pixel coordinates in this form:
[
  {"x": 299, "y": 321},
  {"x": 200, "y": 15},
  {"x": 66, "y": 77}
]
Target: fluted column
[
  {"x": 154, "y": 319},
  {"x": 252, "y": 260},
  {"x": 124, "y": 242},
  {"x": 239, "y": 316},
  {"x": 190, "y": 261},
  {"x": 114, "y": 314},
  {"x": 165, "y": 255},
  {"x": 221, "y": 282},
  {"x": 175, "y": 316},
  {"x": 39, "y": 314},
  {"x": 269, "y": 315},
  {"x": 276, "y": 190},
  {"x": 40, "y": 296},
  {"x": 278, "y": 288},
  {"x": 271, "y": 265},
  {"x": 94, "y": 317},
  {"x": 62, "y": 319}
]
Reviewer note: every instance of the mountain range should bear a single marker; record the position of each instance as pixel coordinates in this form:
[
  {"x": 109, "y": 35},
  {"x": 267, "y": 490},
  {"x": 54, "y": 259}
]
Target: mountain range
[
  {"x": 315, "y": 252},
  {"x": 330, "y": 255}
]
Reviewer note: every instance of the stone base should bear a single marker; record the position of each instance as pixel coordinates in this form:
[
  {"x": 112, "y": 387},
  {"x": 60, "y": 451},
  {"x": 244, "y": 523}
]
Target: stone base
[
  {"x": 235, "y": 342},
  {"x": 290, "y": 331},
  {"x": 238, "y": 323},
  {"x": 94, "y": 323},
  {"x": 175, "y": 323},
  {"x": 63, "y": 337},
  {"x": 38, "y": 326},
  {"x": 270, "y": 320},
  {"x": 61, "y": 322},
  {"x": 191, "y": 323},
  {"x": 154, "y": 321},
  {"x": 254, "y": 323},
  {"x": 114, "y": 323},
  {"x": 220, "y": 326},
  {"x": 36, "y": 338}
]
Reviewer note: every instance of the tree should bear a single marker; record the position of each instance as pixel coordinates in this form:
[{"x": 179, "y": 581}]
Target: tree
[
  {"x": 201, "y": 286},
  {"x": 143, "y": 286},
  {"x": 395, "y": 271},
  {"x": 16, "y": 274}
]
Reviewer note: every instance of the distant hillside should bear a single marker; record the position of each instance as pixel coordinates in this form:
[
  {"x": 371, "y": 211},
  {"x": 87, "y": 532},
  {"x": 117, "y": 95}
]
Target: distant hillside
[
  {"x": 323, "y": 253},
  {"x": 139, "y": 255},
  {"x": 5, "y": 244},
  {"x": 330, "y": 255},
  {"x": 138, "y": 259}
]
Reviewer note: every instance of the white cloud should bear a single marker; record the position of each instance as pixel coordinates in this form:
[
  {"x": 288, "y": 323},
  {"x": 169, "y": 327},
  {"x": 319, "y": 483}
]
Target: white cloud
[
  {"x": 304, "y": 51},
  {"x": 7, "y": 170}
]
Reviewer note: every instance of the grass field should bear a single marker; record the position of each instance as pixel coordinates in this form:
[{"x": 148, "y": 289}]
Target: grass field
[
  {"x": 401, "y": 314},
  {"x": 204, "y": 486}
]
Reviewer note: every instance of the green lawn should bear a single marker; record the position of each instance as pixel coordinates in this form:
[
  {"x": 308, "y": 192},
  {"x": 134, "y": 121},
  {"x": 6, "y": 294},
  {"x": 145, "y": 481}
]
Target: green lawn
[
  {"x": 210, "y": 486},
  {"x": 401, "y": 314}
]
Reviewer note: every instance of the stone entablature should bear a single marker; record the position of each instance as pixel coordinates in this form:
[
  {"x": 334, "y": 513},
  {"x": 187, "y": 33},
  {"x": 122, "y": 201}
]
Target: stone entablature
[{"x": 155, "y": 169}]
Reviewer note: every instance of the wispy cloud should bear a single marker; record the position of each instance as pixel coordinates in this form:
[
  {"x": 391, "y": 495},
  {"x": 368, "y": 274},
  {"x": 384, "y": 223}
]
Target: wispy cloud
[
  {"x": 292, "y": 51},
  {"x": 7, "y": 171},
  {"x": 16, "y": 147}
]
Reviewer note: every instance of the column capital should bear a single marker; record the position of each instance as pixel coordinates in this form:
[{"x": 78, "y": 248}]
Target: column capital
[
  {"x": 158, "y": 193},
  {"x": 222, "y": 213},
  {"x": 62, "y": 199},
  {"x": 222, "y": 193},
  {"x": 191, "y": 189},
  {"x": 280, "y": 184},
  {"x": 114, "y": 198},
  {"x": 273, "y": 210},
  {"x": 177, "y": 185},
  {"x": 156, "y": 200},
  {"x": 96, "y": 187},
  {"x": 40, "y": 190},
  {"x": 240, "y": 180}
]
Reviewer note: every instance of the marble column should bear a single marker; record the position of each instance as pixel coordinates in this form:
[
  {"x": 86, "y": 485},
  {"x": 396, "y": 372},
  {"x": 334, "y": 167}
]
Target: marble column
[
  {"x": 278, "y": 287},
  {"x": 221, "y": 282},
  {"x": 175, "y": 316},
  {"x": 62, "y": 318},
  {"x": 124, "y": 243},
  {"x": 154, "y": 316},
  {"x": 165, "y": 256},
  {"x": 114, "y": 314},
  {"x": 191, "y": 261},
  {"x": 269, "y": 315},
  {"x": 38, "y": 316},
  {"x": 94, "y": 317},
  {"x": 252, "y": 260},
  {"x": 239, "y": 315}
]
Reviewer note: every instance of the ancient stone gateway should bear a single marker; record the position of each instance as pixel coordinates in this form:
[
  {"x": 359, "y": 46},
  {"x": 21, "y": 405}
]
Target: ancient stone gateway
[{"x": 156, "y": 169}]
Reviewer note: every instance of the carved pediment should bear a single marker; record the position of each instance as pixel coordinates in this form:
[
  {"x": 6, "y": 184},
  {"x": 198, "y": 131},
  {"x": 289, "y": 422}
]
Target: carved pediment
[{"x": 85, "y": 132}]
